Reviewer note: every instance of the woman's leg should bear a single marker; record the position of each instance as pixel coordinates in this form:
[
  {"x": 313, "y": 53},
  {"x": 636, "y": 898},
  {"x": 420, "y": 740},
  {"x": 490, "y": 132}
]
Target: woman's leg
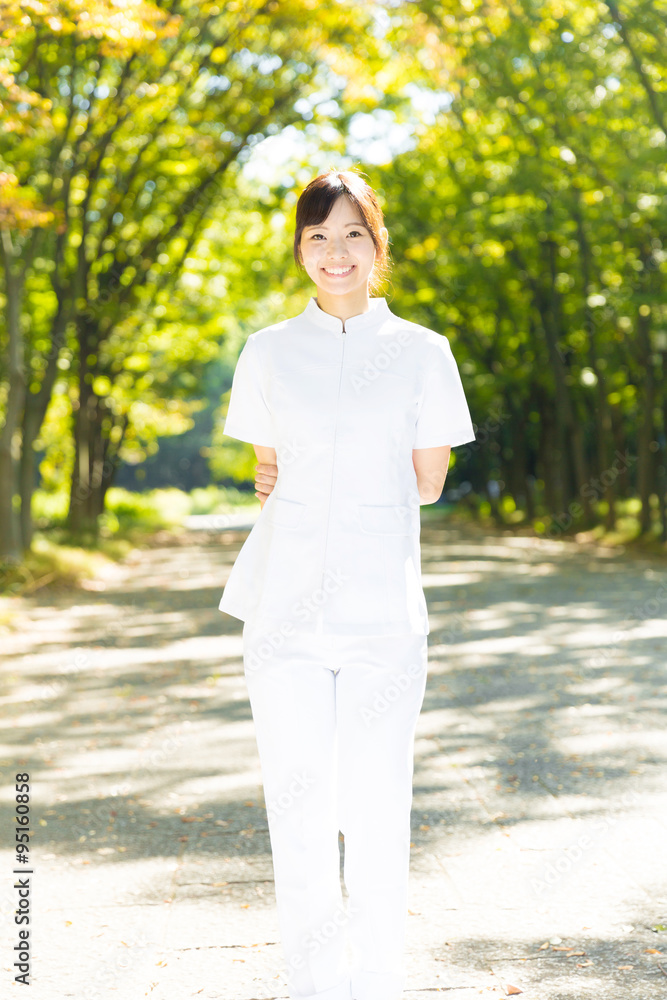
[
  {"x": 379, "y": 693},
  {"x": 292, "y": 696}
]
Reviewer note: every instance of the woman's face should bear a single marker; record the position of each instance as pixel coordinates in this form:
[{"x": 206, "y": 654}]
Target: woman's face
[{"x": 339, "y": 254}]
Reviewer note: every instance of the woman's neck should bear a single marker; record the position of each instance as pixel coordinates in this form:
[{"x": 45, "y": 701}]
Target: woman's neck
[{"x": 344, "y": 306}]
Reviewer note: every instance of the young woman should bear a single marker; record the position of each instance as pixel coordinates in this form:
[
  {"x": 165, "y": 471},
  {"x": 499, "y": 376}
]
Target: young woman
[{"x": 352, "y": 412}]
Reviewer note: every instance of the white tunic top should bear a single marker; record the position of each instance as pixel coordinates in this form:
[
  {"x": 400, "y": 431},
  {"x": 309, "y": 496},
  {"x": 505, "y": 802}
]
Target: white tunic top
[{"x": 336, "y": 546}]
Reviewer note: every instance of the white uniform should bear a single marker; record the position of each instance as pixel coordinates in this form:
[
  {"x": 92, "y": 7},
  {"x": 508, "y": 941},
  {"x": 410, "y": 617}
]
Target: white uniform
[
  {"x": 328, "y": 583},
  {"x": 335, "y": 549}
]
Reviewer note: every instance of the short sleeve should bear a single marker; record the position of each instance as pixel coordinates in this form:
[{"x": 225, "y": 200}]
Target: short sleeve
[
  {"x": 248, "y": 415},
  {"x": 443, "y": 417}
]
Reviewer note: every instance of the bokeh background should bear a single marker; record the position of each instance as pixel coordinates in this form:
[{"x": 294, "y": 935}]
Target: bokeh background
[{"x": 151, "y": 155}]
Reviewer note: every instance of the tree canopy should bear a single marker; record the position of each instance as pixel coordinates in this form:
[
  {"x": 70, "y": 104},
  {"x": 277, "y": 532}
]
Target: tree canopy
[{"x": 527, "y": 221}]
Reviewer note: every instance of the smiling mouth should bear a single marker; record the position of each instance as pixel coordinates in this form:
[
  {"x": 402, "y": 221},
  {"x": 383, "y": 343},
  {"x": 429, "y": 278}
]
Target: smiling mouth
[{"x": 338, "y": 270}]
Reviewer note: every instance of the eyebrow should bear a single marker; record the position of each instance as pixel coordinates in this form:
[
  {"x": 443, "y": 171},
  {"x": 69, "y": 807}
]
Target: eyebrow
[{"x": 347, "y": 225}]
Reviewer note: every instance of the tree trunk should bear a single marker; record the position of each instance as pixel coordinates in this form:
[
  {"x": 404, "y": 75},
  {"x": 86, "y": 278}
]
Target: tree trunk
[
  {"x": 548, "y": 462},
  {"x": 570, "y": 427},
  {"x": 645, "y": 433},
  {"x": 568, "y": 463},
  {"x": 82, "y": 515},
  {"x": 623, "y": 481},
  {"x": 602, "y": 419},
  {"x": 87, "y": 473},
  {"x": 11, "y": 542},
  {"x": 516, "y": 467},
  {"x": 96, "y": 454},
  {"x": 530, "y": 460},
  {"x": 36, "y": 405},
  {"x": 27, "y": 478},
  {"x": 95, "y": 465}
]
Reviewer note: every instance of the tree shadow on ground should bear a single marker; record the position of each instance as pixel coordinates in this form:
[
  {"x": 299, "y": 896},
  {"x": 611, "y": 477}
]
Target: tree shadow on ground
[{"x": 545, "y": 700}]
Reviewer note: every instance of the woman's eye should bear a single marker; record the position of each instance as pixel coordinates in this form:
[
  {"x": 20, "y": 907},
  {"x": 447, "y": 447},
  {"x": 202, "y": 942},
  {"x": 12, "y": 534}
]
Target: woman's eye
[
  {"x": 317, "y": 236},
  {"x": 355, "y": 232}
]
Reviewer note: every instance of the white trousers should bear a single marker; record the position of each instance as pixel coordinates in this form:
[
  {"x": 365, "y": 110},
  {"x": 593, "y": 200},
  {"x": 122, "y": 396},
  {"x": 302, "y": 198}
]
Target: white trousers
[{"x": 335, "y": 720}]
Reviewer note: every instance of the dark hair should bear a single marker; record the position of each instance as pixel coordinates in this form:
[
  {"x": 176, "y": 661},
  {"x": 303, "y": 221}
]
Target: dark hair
[{"x": 319, "y": 197}]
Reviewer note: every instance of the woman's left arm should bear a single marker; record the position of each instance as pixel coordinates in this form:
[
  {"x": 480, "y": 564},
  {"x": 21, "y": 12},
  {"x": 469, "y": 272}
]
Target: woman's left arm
[{"x": 431, "y": 465}]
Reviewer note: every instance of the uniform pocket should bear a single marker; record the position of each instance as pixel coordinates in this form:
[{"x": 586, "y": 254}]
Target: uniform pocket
[
  {"x": 285, "y": 513},
  {"x": 388, "y": 520}
]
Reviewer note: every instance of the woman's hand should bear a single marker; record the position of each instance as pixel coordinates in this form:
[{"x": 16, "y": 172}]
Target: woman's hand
[
  {"x": 266, "y": 471},
  {"x": 265, "y": 480}
]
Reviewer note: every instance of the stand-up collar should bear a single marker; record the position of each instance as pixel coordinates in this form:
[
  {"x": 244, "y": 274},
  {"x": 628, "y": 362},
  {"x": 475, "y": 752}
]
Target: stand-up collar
[{"x": 379, "y": 311}]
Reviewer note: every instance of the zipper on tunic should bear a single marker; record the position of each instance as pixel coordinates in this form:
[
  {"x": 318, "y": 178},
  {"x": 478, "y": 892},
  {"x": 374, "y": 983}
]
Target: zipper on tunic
[{"x": 320, "y": 618}]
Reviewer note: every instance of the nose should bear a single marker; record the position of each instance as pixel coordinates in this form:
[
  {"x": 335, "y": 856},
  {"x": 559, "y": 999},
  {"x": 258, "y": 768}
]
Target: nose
[{"x": 337, "y": 249}]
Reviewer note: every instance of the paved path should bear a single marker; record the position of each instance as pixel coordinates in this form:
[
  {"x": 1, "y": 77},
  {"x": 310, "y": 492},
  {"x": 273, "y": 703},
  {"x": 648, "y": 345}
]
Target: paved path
[{"x": 540, "y": 808}]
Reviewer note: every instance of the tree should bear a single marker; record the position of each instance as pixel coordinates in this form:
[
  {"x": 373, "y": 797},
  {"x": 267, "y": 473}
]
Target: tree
[
  {"x": 530, "y": 225},
  {"x": 143, "y": 141},
  {"x": 19, "y": 213}
]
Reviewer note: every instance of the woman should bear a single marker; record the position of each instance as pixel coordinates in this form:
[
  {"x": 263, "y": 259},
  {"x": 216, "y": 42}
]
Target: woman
[{"x": 352, "y": 412}]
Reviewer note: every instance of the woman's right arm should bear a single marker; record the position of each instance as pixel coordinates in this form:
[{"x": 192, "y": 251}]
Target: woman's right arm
[{"x": 266, "y": 471}]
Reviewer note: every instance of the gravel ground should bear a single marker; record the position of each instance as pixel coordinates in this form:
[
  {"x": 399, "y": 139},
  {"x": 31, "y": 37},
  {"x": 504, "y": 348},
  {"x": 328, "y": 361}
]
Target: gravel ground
[{"x": 539, "y": 862}]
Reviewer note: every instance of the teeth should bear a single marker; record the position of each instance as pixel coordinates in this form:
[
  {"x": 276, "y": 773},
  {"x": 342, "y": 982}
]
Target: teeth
[{"x": 338, "y": 270}]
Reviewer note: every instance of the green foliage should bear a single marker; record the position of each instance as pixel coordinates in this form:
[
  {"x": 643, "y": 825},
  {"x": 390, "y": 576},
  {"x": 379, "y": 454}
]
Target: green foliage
[
  {"x": 220, "y": 500},
  {"x": 148, "y": 511},
  {"x": 151, "y": 510},
  {"x": 123, "y": 145},
  {"x": 527, "y": 224}
]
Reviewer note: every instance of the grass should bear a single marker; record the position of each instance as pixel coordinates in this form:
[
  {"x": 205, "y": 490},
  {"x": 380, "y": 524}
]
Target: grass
[
  {"x": 474, "y": 509},
  {"x": 58, "y": 559},
  {"x": 150, "y": 511},
  {"x": 50, "y": 562}
]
